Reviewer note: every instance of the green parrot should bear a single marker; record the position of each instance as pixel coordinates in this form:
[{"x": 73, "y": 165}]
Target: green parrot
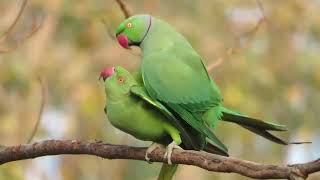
[
  {"x": 174, "y": 75},
  {"x": 130, "y": 109}
]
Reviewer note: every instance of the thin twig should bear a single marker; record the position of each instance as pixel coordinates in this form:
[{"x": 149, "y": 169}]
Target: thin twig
[
  {"x": 261, "y": 9},
  {"x": 203, "y": 160},
  {"x": 41, "y": 108},
  {"x": 124, "y": 8},
  {"x": 35, "y": 28},
  {"x": 5, "y": 35},
  {"x": 126, "y": 12},
  {"x": 250, "y": 35},
  {"x": 221, "y": 59}
]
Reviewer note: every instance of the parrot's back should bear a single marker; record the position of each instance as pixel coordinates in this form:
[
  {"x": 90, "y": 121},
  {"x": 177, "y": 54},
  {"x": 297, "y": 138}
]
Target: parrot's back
[{"x": 173, "y": 72}]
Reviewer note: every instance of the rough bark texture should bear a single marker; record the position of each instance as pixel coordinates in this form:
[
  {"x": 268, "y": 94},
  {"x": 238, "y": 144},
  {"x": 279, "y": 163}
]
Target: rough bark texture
[{"x": 203, "y": 160}]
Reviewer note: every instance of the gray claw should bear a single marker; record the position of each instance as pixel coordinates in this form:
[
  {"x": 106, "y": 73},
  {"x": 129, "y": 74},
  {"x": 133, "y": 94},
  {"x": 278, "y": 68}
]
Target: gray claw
[
  {"x": 151, "y": 148},
  {"x": 169, "y": 150}
]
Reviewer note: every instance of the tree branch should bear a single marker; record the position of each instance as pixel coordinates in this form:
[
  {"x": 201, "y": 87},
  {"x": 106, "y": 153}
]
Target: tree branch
[{"x": 203, "y": 160}]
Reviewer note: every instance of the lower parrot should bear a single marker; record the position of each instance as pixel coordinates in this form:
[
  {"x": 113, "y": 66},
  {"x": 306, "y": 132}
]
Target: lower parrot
[{"x": 130, "y": 109}]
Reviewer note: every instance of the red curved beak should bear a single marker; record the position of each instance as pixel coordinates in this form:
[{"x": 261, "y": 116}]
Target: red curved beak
[
  {"x": 123, "y": 41},
  {"x": 105, "y": 73}
]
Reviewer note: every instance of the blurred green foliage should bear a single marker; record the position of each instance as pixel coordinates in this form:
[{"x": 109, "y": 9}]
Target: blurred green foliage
[{"x": 276, "y": 78}]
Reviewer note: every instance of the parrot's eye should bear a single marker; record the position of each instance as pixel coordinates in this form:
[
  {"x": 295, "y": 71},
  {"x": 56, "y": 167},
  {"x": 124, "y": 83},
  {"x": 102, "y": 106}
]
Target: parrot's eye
[
  {"x": 129, "y": 25},
  {"x": 121, "y": 79}
]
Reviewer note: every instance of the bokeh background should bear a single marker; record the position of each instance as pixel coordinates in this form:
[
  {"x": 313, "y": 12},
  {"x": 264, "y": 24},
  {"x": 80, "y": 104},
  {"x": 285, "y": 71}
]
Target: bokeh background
[{"x": 276, "y": 78}]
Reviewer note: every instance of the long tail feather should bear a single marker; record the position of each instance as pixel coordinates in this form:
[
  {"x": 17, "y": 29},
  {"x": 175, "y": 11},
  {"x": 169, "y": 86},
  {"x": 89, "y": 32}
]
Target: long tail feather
[
  {"x": 301, "y": 142},
  {"x": 274, "y": 138},
  {"x": 266, "y": 135},
  {"x": 231, "y": 116},
  {"x": 257, "y": 126}
]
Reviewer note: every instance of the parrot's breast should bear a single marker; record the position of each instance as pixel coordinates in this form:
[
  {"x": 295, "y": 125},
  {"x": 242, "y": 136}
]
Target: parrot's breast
[{"x": 138, "y": 119}]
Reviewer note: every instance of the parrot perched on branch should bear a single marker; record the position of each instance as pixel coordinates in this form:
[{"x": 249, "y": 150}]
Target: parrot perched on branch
[
  {"x": 130, "y": 109},
  {"x": 174, "y": 75}
]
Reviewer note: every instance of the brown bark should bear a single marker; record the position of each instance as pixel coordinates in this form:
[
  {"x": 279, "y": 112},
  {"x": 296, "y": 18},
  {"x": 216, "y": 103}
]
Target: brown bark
[{"x": 203, "y": 160}]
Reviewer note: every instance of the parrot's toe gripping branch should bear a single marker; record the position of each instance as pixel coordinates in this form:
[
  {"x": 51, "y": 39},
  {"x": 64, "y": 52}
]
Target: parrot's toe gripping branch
[
  {"x": 169, "y": 150},
  {"x": 151, "y": 148}
]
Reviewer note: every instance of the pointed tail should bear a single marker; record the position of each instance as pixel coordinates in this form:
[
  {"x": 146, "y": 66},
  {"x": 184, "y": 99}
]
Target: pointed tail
[
  {"x": 231, "y": 116},
  {"x": 167, "y": 171},
  {"x": 256, "y": 126}
]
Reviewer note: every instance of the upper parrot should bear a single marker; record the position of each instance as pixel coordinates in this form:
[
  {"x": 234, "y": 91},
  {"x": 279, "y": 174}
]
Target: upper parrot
[{"x": 173, "y": 73}]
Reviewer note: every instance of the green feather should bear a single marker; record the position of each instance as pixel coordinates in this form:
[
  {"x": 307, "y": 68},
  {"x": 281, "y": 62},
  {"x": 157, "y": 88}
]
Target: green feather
[
  {"x": 198, "y": 124},
  {"x": 266, "y": 135},
  {"x": 188, "y": 139},
  {"x": 168, "y": 79},
  {"x": 232, "y": 116}
]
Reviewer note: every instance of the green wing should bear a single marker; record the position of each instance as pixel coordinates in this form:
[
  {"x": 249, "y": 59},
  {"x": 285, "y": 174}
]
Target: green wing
[
  {"x": 189, "y": 140},
  {"x": 178, "y": 76},
  {"x": 142, "y": 93},
  {"x": 183, "y": 84}
]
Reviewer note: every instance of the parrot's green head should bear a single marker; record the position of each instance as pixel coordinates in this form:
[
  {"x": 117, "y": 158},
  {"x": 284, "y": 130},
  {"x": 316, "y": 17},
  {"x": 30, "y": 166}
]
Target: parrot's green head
[
  {"x": 133, "y": 30},
  {"x": 118, "y": 81}
]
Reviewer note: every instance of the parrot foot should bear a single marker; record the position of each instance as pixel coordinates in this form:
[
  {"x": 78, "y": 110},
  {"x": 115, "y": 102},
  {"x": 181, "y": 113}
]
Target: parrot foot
[
  {"x": 169, "y": 150},
  {"x": 151, "y": 148}
]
